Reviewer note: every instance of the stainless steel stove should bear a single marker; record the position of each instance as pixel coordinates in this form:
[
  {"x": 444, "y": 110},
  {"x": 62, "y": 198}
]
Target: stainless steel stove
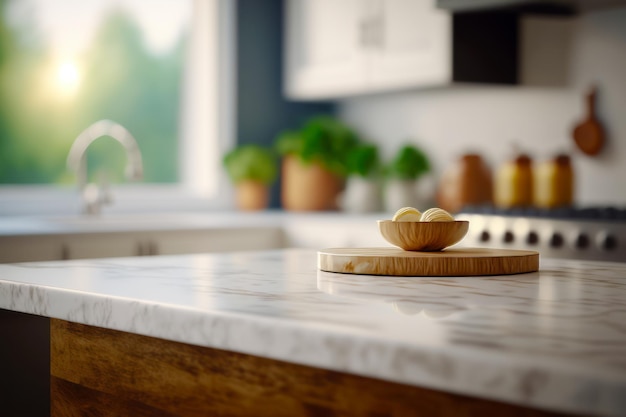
[{"x": 589, "y": 234}]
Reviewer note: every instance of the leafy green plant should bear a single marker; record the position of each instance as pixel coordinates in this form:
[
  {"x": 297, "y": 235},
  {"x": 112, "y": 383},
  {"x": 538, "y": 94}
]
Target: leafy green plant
[
  {"x": 409, "y": 163},
  {"x": 363, "y": 161},
  {"x": 251, "y": 162},
  {"x": 322, "y": 139}
]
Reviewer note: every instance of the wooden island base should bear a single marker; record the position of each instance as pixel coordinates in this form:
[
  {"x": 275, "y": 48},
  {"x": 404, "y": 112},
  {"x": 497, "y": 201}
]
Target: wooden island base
[{"x": 100, "y": 372}]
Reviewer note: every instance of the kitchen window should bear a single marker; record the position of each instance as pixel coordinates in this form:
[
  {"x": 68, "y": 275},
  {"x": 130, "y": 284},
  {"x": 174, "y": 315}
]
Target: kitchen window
[{"x": 160, "y": 68}]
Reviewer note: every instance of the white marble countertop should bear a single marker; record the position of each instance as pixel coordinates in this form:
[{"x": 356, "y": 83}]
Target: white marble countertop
[{"x": 555, "y": 339}]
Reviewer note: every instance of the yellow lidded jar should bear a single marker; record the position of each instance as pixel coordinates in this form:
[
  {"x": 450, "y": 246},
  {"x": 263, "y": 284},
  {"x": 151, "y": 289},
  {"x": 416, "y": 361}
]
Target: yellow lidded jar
[
  {"x": 514, "y": 183},
  {"x": 554, "y": 183}
]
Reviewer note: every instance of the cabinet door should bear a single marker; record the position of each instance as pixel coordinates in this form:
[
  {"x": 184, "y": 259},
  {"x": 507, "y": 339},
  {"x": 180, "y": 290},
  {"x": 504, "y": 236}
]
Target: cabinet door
[
  {"x": 216, "y": 240},
  {"x": 324, "y": 57},
  {"x": 414, "y": 46},
  {"x": 340, "y": 48},
  {"x": 102, "y": 245},
  {"x": 30, "y": 249}
]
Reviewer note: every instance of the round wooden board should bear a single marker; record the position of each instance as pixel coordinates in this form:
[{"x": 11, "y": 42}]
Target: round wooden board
[{"x": 450, "y": 262}]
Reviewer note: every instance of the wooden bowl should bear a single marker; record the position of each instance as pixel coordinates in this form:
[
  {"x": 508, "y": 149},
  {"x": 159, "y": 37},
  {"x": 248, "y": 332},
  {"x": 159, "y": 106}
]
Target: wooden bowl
[{"x": 423, "y": 236}]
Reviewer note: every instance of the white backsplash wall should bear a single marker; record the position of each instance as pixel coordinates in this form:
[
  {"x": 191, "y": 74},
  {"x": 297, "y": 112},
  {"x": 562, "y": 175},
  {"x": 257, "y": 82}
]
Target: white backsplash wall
[{"x": 449, "y": 121}]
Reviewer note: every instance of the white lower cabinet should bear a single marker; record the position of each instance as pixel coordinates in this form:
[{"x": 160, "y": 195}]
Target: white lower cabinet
[
  {"x": 116, "y": 244},
  {"x": 215, "y": 240},
  {"x": 33, "y": 248},
  {"x": 101, "y": 245},
  {"x": 322, "y": 235},
  {"x": 30, "y": 248},
  {"x": 306, "y": 233}
]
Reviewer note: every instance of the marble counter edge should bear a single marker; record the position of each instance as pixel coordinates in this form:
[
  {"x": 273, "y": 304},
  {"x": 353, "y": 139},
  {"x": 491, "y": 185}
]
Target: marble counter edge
[{"x": 324, "y": 346}]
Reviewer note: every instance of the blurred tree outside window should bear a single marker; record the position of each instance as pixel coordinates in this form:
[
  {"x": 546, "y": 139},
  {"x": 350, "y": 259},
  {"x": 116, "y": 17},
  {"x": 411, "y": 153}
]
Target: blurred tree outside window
[{"x": 65, "y": 64}]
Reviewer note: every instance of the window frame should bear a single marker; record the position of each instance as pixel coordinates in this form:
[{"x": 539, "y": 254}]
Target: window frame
[{"x": 207, "y": 131}]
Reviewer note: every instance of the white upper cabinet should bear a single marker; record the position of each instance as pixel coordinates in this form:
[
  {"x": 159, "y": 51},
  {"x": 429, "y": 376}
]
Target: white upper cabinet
[
  {"x": 414, "y": 47},
  {"x": 323, "y": 57},
  {"x": 341, "y": 48}
]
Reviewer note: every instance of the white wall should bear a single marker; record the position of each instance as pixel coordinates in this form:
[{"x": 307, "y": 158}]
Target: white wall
[{"x": 451, "y": 120}]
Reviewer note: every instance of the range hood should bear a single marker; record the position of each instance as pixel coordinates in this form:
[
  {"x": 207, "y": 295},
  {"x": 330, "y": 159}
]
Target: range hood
[{"x": 551, "y": 7}]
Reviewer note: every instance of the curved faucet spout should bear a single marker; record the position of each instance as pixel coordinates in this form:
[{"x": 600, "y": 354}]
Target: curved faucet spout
[{"x": 76, "y": 159}]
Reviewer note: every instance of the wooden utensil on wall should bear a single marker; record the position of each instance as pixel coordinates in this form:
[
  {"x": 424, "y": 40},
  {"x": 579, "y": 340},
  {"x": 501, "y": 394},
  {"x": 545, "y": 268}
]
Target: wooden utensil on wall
[{"x": 589, "y": 134}]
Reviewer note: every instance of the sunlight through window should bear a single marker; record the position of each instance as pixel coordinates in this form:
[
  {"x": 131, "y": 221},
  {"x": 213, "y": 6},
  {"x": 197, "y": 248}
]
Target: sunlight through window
[{"x": 67, "y": 78}]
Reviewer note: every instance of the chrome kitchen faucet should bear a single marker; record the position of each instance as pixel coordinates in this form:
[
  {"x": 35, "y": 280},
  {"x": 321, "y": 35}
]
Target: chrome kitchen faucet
[{"x": 94, "y": 196}]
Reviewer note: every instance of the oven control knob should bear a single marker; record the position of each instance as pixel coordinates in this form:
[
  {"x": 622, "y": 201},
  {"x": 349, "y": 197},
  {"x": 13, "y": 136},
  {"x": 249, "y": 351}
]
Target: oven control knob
[
  {"x": 532, "y": 238},
  {"x": 608, "y": 242},
  {"x": 508, "y": 237},
  {"x": 484, "y": 236},
  {"x": 582, "y": 241},
  {"x": 556, "y": 241}
]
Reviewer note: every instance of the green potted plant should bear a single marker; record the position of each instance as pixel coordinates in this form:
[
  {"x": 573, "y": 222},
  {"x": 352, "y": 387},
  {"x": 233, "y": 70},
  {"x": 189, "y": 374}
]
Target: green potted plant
[
  {"x": 401, "y": 190},
  {"x": 314, "y": 164},
  {"x": 252, "y": 169},
  {"x": 362, "y": 193}
]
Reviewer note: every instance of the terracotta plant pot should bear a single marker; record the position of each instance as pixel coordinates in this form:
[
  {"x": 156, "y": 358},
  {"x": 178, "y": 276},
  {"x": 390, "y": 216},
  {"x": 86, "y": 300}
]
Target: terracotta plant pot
[
  {"x": 308, "y": 187},
  {"x": 252, "y": 195}
]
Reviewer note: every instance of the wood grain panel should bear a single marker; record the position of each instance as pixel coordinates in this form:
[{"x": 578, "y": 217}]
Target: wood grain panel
[
  {"x": 73, "y": 400},
  {"x": 450, "y": 262},
  {"x": 104, "y": 373}
]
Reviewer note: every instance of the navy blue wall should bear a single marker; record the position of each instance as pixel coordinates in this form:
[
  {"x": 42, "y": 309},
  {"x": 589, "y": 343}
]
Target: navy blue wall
[{"x": 262, "y": 111}]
